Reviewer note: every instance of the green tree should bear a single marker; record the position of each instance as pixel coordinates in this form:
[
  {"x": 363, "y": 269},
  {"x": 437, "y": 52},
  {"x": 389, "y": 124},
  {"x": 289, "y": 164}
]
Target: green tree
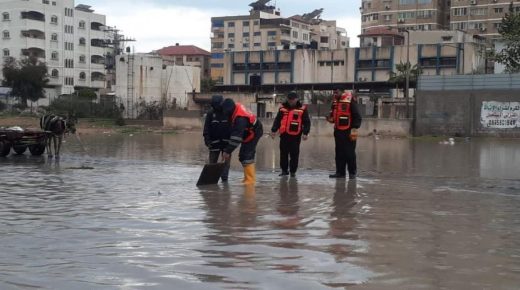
[
  {"x": 87, "y": 94},
  {"x": 27, "y": 79},
  {"x": 206, "y": 85},
  {"x": 399, "y": 76},
  {"x": 510, "y": 31}
]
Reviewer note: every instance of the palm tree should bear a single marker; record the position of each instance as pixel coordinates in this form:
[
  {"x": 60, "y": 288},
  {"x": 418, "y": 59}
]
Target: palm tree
[{"x": 399, "y": 77}]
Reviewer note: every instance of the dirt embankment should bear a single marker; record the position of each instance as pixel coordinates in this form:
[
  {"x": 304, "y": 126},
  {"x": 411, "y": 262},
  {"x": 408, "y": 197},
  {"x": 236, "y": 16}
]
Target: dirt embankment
[{"x": 85, "y": 126}]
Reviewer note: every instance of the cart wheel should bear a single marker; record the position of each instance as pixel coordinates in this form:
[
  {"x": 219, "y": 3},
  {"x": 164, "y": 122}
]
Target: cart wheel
[
  {"x": 37, "y": 149},
  {"x": 5, "y": 148},
  {"x": 19, "y": 148}
]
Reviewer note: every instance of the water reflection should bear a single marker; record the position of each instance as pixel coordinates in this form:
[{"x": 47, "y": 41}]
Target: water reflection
[{"x": 421, "y": 215}]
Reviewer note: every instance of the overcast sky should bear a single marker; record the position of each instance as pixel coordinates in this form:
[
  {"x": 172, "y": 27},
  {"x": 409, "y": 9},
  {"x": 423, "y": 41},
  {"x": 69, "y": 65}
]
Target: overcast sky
[{"x": 158, "y": 23}]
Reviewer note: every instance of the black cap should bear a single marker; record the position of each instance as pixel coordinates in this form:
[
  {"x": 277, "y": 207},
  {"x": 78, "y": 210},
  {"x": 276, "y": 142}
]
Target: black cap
[
  {"x": 228, "y": 106},
  {"x": 216, "y": 102},
  {"x": 292, "y": 96}
]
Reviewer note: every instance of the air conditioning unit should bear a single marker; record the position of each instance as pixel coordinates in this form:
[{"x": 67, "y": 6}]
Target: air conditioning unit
[
  {"x": 232, "y": 40},
  {"x": 387, "y": 7},
  {"x": 473, "y": 2},
  {"x": 246, "y": 38},
  {"x": 400, "y": 20},
  {"x": 482, "y": 29}
]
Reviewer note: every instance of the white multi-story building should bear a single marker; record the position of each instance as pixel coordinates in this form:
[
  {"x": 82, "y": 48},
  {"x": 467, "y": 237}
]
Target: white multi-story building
[{"x": 70, "y": 39}]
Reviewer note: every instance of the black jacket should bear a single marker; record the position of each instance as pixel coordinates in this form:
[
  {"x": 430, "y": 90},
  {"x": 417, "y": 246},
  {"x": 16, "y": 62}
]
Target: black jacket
[
  {"x": 306, "y": 120},
  {"x": 217, "y": 130}
]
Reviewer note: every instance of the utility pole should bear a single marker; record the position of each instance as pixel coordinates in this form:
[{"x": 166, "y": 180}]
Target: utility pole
[{"x": 407, "y": 75}]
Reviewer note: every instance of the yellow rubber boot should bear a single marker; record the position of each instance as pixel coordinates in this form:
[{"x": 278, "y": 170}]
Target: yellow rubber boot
[{"x": 249, "y": 174}]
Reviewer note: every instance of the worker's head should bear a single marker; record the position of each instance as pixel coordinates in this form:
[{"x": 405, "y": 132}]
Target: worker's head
[
  {"x": 228, "y": 107},
  {"x": 292, "y": 98},
  {"x": 216, "y": 102}
]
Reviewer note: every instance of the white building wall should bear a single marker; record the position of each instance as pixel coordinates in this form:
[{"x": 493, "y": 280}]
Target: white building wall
[
  {"x": 16, "y": 42},
  {"x": 171, "y": 85}
]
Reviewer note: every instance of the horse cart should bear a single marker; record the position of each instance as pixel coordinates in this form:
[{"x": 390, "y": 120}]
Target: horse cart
[{"x": 19, "y": 140}]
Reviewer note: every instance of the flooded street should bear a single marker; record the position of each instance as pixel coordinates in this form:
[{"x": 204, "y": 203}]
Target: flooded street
[{"x": 123, "y": 212}]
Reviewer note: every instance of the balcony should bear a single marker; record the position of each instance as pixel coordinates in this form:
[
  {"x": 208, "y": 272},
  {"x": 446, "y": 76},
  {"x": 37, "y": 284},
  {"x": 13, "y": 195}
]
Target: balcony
[
  {"x": 96, "y": 26},
  {"x": 34, "y": 52},
  {"x": 97, "y": 59},
  {"x": 96, "y": 42},
  {"x": 33, "y": 15},
  {"x": 97, "y": 80}
]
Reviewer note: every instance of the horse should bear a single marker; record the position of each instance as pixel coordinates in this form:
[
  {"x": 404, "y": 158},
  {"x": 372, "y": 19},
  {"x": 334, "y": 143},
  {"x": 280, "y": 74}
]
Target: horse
[{"x": 56, "y": 126}]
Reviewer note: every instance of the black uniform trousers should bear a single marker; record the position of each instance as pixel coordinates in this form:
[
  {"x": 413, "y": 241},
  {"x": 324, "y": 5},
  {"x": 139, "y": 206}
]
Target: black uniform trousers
[
  {"x": 289, "y": 152},
  {"x": 345, "y": 152},
  {"x": 247, "y": 152},
  {"x": 214, "y": 155}
]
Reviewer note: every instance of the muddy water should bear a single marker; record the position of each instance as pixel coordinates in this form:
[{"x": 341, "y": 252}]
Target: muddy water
[{"x": 122, "y": 212}]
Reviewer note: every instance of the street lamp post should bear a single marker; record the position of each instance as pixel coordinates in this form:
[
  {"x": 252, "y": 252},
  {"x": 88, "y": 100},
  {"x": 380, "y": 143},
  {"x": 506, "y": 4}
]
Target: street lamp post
[{"x": 407, "y": 75}]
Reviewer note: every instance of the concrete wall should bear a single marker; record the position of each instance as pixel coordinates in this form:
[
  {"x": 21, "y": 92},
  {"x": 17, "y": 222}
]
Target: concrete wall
[
  {"x": 319, "y": 127},
  {"x": 459, "y": 105}
]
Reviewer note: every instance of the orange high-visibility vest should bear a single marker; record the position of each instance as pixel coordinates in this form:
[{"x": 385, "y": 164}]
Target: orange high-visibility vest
[
  {"x": 292, "y": 120},
  {"x": 241, "y": 111},
  {"x": 341, "y": 112}
]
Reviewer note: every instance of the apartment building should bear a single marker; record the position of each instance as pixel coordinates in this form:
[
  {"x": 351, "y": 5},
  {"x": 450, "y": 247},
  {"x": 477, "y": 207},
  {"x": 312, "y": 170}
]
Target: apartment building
[
  {"x": 265, "y": 29},
  {"x": 70, "y": 39},
  {"x": 188, "y": 55},
  {"x": 351, "y": 65},
  {"x": 479, "y": 17}
]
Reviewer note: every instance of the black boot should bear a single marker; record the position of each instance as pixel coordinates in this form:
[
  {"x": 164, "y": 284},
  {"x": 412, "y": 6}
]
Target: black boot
[
  {"x": 284, "y": 173},
  {"x": 337, "y": 175}
]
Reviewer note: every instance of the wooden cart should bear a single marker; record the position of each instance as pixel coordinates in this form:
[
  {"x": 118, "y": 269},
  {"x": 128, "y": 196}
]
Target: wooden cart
[{"x": 19, "y": 140}]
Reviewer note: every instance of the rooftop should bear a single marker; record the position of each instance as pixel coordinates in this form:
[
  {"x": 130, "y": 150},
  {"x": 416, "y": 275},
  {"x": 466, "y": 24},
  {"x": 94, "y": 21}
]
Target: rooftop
[{"x": 182, "y": 50}]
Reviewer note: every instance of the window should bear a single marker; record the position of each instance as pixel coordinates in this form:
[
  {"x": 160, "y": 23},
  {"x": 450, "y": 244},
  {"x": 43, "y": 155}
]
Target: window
[
  {"x": 245, "y": 23},
  {"x": 245, "y": 45},
  {"x": 407, "y": 2},
  {"x": 82, "y": 76},
  {"x": 230, "y": 35},
  {"x": 54, "y": 37},
  {"x": 69, "y": 12},
  {"x": 256, "y": 22},
  {"x": 69, "y": 81},
  {"x": 81, "y": 24},
  {"x": 217, "y": 55},
  {"x": 460, "y": 11},
  {"x": 82, "y": 59},
  {"x": 231, "y": 24},
  {"x": 256, "y": 44},
  {"x": 6, "y": 52},
  {"x": 257, "y": 33},
  {"x": 217, "y": 23},
  {"x": 69, "y": 63},
  {"x": 69, "y": 29},
  {"x": 54, "y": 55},
  {"x": 295, "y": 34},
  {"x": 231, "y": 45},
  {"x": 245, "y": 34},
  {"x": 45, "y": 1},
  {"x": 305, "y": 37},
  {"x": 6, "y": 34},
  {"x": 54, "y": 19},
  {"x": 324, "y": 39},
  {"x": 271, "y": 44},
  {"x": 217, "y": 65},
  {"x": 499, "y": 10},
  {"x": 271, "y": 33},
  {"x": 55, "y": 73},
  {"x": 217, "y": 45},
  {"x": 5, "y": 16},
  {"x": 69, "y": 46},
  {"x": 82, "y": 41}
]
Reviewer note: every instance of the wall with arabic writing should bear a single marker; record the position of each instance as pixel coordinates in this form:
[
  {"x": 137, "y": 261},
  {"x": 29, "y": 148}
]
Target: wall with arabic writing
[{"x": 468, "y": 113}]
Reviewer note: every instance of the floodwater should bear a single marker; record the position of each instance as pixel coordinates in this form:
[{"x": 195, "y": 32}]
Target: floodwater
[{"x": 123, "y": 212}]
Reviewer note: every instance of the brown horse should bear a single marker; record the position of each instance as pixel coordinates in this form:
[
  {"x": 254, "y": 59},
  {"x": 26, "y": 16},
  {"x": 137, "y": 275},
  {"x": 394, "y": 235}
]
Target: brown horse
[{"x": 57, "y": 127}]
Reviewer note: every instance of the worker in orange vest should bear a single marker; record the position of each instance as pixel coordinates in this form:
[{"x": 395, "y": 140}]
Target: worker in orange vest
[
  {"x": 346, "y": 117},
  {"x": 246, "y": 131},
  {"x": 293, "y": 123}
]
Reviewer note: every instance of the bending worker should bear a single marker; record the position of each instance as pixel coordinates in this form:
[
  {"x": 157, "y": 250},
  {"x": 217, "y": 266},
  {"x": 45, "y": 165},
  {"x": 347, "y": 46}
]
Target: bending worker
[
  {"x": 246, "y": 130},
  {"x": 346, "y": 118},
  {"x": 293, "y": 122},
  {"x": 216, "y": 133}
]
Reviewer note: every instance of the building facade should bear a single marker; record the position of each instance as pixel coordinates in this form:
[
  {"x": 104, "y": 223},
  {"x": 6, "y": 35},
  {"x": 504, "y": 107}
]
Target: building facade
[
  {"x": 70, "y": 40},
  {"x": 351, "y": 65},
  {"x": 265, "y": 29},
  {"x": 143, "y": 79},
  {"x": 480, "y": 17},
  {"x": 187, "y": 55}
]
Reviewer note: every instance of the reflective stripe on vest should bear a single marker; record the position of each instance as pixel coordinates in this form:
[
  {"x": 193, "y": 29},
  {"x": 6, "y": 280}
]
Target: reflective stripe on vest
[
  {"x": 342, "y": 113},
  {"x": 241, "y": 111},
  {"x": 292, "y": 121}
]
